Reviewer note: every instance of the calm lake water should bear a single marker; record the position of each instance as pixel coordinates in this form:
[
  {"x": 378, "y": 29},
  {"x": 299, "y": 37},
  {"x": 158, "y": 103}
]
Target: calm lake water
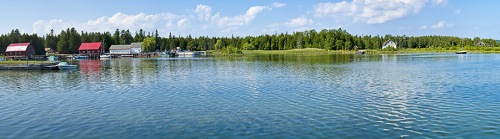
[{"x": 435, "y": 95}]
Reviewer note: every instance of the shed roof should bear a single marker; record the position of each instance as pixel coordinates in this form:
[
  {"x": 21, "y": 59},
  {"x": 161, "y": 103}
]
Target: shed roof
[
  {"x": 90, "y": 46},
  {"x": 119, "y": 47},
  {"x": 17, "y": 47},
  {"x": 136, "y": 45}
]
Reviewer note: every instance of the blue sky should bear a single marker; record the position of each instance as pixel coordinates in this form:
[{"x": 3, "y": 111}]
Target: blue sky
[{"x": 462, "y": 18}]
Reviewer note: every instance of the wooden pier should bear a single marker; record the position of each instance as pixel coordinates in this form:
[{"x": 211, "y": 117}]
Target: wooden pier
[{"x": 28, "y": 67}]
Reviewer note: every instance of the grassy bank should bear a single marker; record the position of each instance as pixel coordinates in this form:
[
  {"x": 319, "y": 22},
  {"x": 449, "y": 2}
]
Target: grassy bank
[
  {"x": 315, "y": 51},
  {"x": 306, "y": 51}
]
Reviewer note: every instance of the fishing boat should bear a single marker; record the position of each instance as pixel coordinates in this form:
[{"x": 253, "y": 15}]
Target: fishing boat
[
  {"x": 105, "y": 56},
  {"x": 461, "y": 52},
  {"x": 65, "y": 66},
  {"x": 188, "y": 53},
  {"x": 81, "y": 57}
]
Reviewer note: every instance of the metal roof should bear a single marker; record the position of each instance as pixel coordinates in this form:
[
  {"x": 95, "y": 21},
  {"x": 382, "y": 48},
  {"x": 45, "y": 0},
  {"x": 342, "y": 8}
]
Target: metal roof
[
  {"x": 17, "y": 47},
  {"x": 90, "y": 46},
  {"x": 136, "y": 45},
  {"x": 120, "y": 47}
]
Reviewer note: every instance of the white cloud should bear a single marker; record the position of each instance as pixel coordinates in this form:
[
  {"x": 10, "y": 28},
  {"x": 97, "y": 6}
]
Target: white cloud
[
  {"x": 440, "y": 2},
  {"x": 118, "y": 20},
  {"x": 295, "y": 24},
  {"x": 279, "y": 5},
  {"x": 439, "y": 25},
  {"x": 238, "y": 20},
  {"x": 204, "y": 12},
  {"x": 301, "y": 21},
  {"x": 183, "y": 24},
  {"x": 371, "y": 11},
  {"x": 45, "y": 26}
]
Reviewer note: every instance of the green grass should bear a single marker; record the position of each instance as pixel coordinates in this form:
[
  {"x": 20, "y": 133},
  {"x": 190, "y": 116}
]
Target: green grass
[
  {"x": 306, "y": 51},
  {"x": 316, "y": 51}
]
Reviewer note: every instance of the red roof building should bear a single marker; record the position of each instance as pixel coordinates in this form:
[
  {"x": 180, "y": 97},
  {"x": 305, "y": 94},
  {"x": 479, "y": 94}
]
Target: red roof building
[
  {"x": 19, "y": 50},
  {"x": 91, "y": 48}
]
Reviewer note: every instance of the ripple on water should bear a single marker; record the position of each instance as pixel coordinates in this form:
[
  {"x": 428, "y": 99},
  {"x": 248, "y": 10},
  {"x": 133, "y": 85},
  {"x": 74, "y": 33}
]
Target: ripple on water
[{"x": 391, "y": 96}]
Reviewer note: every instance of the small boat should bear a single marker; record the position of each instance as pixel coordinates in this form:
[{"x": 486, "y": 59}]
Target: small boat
[
  {"x": 81, "y": 57},
  {"x": 65, "y": 66},
  {"x": 105, "y": 56},
  {"x": 188, "y": 53},
  {"x": 360, "y": 52},
  {"x": 52, "y": 58},
  {"x": 461, "y": 52}
]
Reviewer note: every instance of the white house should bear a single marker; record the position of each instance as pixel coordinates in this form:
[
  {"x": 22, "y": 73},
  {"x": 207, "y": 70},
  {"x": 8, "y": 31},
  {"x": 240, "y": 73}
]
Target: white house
[{"x": 389, "y": 43}]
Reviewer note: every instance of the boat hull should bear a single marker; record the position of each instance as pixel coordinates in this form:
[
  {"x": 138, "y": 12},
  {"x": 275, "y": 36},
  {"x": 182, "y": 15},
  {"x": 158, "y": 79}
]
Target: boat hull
[
  {"x": 105, "y": 56},
  {"x": 188, "y": 53},
  {"x": 68, "y": 67}
]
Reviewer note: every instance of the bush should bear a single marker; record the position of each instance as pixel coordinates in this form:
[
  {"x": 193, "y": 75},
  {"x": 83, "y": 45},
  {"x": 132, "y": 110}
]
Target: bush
[
  {"x": 231, "y": 50},
  {"x": 390, "y": 49}
]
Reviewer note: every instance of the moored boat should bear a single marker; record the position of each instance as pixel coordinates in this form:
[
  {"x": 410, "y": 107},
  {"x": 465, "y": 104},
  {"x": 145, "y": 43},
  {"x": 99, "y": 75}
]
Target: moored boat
[
  {"x": 461, "y": 52},
  {"x": 189, "y": 53},
  {"x": 65, "y": 66},
  {"x": 81, "y": 57},
  {"x": 105, "y": 56}
]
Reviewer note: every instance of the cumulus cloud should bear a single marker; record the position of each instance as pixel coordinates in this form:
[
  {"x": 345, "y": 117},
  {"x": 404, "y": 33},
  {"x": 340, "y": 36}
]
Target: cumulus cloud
[
  {"x": 204, "y": 12},
  {"x": 279, "y": 5},
  {"x": 240, "y": 20},
  {"x": 439, "y": 25},
  {"x": 296, "y": 22},
  {"x": 372, "y": 11},
  {"x": 440, "y": 2},
  {"x": 183, "y": 24},
  {"x": 118, "y": 20},
  {"x": 423, "y": 27},
  {"x": 42, "y": 26},
  {"x": 200, "y": 19}
]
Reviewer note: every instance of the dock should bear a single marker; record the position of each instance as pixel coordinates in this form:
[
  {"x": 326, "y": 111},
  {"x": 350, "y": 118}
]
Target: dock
[{"x": 49, "y": 66}]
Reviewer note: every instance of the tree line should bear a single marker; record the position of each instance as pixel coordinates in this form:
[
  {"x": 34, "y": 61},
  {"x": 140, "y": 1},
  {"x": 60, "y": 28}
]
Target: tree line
[{"x": 68, "y": 41}]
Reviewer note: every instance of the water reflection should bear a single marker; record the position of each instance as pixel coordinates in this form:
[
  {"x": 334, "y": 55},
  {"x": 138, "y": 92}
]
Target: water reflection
[
  {"x": 262, "y": 96},
  {"x": 88, "y": 66}
]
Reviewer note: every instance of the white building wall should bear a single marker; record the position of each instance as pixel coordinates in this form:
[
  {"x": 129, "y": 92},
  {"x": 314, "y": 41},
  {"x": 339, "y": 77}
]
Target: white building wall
[
  {"x": 135, "y": 50},
  {"x": 389, "y": 44},
  {"x": 119, "y": 51}
]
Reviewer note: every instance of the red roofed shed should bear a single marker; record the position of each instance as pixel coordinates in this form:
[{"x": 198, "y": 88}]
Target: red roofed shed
[
  {"x": 91, "y": 48},
  {"x": 19, "y": 50}
]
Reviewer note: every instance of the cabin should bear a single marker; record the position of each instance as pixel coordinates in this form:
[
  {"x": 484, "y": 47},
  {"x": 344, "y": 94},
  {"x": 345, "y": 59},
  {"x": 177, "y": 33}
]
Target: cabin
[
  {"x": 91, "y": 49},
  {"x": 136, "y": 48},
  {"x": 120, "y": 50},
  {"x": 19, "y": 50},
  {"x": 389, "y": 43},
  {"x": 480, "y": 43},
  {"x": 49, "y": 51}
]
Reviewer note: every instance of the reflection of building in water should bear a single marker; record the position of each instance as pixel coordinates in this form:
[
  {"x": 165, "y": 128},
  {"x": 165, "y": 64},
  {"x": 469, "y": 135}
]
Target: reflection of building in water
[
  {"x": 387, "y": 58},
  {"x": 389, "y": 43},
  {"x": 90, "y": 66}
]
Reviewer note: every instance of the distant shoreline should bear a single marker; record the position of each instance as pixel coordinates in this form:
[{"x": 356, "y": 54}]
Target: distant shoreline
[{"x": 315, "y": 51}]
